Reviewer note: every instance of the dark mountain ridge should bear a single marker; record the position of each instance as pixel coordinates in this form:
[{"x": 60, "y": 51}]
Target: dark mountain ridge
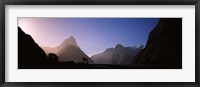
[
  {"x": 29, "y": 52},
  {"x": 164, "y": 45}
]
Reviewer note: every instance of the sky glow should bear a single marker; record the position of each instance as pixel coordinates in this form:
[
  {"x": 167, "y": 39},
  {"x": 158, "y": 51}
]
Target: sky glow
[{"x": 93, "y": 35}]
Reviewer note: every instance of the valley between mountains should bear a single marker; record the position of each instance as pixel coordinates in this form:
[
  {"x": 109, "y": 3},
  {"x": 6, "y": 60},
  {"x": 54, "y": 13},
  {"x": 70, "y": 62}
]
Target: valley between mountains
[{"x": 162, "y": 51}]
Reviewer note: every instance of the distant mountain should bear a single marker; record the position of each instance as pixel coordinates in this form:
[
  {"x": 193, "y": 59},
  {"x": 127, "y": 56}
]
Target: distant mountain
[
  {"x": 29, "y": 53},
  {"x": 164, "y": 45},
  {"x": 104, "y": 57},
  {"x": 117, "y": 55},
  {"x": 125, "y": 55},
  {"x": 68, "y": 50}
]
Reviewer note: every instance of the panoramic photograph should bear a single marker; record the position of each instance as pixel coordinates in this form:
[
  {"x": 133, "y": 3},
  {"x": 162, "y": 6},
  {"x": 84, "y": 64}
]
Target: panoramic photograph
[{"x": 99, "y": 43}]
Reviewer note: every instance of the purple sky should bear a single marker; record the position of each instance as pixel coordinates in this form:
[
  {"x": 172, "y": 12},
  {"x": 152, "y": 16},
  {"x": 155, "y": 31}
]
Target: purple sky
[{"x": 93, "y": 35}]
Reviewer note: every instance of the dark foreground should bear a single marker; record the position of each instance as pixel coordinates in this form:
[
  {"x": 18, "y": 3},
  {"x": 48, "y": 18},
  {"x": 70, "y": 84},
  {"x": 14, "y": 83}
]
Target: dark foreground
[{"x": 101, "y": 66}]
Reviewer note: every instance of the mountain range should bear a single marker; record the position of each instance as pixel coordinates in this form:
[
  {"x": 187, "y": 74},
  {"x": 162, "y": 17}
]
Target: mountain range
[
  {"x": 163, "y": 48},
  {"x": 119, "y": 55},
  {"x": 68, "y": 50}
]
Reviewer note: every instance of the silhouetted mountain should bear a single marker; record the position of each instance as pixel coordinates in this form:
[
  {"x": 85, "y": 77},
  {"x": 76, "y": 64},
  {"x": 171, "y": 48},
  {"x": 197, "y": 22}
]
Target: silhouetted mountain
[
  {"x": 164, "y": 45},
  {"x": 67, "y": 42},
  {"x": 29, "y": 53},
  {"x": 124, "y": 55},
  {"x": 68, "y": 50},
  {"x": 70, "y": 41},
  {"x": 118, "y": 55},
  {"x": 103, "y": 58}
]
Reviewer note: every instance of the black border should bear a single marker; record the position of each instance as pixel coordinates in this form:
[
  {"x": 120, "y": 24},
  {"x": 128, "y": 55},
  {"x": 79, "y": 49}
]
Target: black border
[{"x": 98, "y": 2}]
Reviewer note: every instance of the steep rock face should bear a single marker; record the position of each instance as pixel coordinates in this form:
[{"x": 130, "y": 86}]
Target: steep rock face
[
  {"x": 29, "y": 53},
  {"x": 118, "y": 54},
  {"x": 131, "y": 53},
  {"x": 103, "y": 58},
  {"x": 164, "y": 45},
  {"x": 124, "y": 55}
]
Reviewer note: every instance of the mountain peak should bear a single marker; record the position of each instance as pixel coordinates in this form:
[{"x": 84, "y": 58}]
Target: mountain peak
[
  {"x": 119, "y": 46},
  {"x": 71, "y": 38},
  {"x": 70, "y": 41}
]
